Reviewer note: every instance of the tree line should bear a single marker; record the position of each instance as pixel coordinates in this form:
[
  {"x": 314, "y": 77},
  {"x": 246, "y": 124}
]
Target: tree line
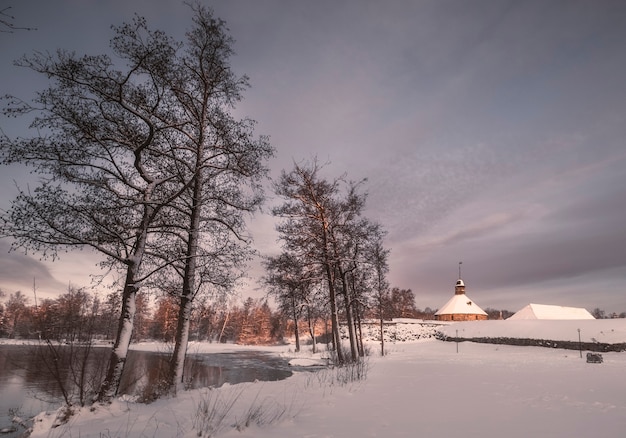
[
  {"x": 79, "y": 316},
  {"x": 82, "y": 316}
]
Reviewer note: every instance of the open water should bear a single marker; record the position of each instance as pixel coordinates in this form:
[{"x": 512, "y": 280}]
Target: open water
[{"x": 27, "y": 386}]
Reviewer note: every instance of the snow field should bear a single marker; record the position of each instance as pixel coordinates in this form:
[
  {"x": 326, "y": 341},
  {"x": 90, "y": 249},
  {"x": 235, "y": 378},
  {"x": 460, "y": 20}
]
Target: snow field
[{"x": 421, "y": 388}]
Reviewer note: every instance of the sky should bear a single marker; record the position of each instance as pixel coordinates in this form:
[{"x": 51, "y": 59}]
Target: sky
[{"x": 491, "y": 132}]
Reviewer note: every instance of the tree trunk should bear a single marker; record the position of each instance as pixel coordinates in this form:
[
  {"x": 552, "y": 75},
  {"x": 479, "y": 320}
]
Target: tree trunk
[
  {"x": 332, "y": 297},
  {"x": 359, "y": 331},
  {"x": 382, "y": 335},
  {"x": 177, "y": 361},
  {"x": 14, "y": 328},
  {"x": 219, "y": 339},
  {"x": 311, "y": 329},
  {"x": 334, "y": 321},
  {"x": 357, "y": 317},
  {"x": 117, "y": 360},
  {"x": 349, "y": 316},
  {"x": 295, "y": 321}
]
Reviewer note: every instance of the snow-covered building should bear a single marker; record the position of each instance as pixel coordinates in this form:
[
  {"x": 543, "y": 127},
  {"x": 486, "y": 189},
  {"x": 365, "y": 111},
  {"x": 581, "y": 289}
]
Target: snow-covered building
[
  {"x": 546, "y": 311},
  {"x": 460, "y": 307}
]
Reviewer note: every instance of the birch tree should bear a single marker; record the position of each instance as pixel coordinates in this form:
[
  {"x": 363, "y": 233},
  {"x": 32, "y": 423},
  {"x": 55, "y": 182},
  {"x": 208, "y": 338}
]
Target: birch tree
[
  {"x": 323, "y": 226},
  {"x": 145, "y": 164},
  {"x": 225, "y": 164},
  {"x": 306, "y": 227},
  {"x": 102, "y": 143}
]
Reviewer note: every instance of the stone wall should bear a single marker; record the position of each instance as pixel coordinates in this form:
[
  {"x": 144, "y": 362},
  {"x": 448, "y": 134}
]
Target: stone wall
[
  {"x": 568, "y": 345},
  {"x": 461, "y": 317}
]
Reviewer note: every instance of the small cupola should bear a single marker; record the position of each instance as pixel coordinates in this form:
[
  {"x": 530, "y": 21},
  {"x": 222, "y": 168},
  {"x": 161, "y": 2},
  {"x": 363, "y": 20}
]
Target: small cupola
[{"x": 459, "y": 289}]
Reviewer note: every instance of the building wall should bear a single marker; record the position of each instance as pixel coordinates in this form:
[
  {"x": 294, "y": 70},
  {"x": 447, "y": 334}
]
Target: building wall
[{"x": 461, "y": 317}]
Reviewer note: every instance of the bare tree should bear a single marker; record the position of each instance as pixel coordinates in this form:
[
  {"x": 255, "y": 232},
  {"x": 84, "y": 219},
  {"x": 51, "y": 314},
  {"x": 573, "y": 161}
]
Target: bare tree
[
  {"x": 323, "y": 225},
  {"x": 164, "y": 319},
  {"x": 222, "y": 166},
  {"x": 377, "y": 257},
  {"x": 598, "y": 313},
  {"x": 401, "y": 303},
  {"x": 66, "y": 352},
  {"x": 145, "y": 165},
  {"x": 306, "y": 228},
  {"x": 103, "y": 150},
  {"x": 110, "y": 312},
  {"x": 15, "y": 310},
  {"x": 3, "y": 323},
  {"x": 7, "y": 24},
  {"x": 288, "y": 282}
]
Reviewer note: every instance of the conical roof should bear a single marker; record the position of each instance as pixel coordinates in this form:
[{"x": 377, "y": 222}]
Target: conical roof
[{"x": 460, "y": 304}]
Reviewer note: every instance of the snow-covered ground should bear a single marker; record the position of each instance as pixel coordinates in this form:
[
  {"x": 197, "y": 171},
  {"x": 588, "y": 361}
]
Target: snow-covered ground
[
  {"x": 609, "y": 331},
  {"x": 421, "y": 388}
]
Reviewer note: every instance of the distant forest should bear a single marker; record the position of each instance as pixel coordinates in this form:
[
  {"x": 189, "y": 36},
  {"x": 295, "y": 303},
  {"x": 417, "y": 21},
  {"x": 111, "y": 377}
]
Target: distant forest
[{"x": 79, "y": 315}]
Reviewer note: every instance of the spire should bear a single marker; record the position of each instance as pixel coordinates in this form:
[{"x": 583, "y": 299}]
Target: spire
[{"x": 459, "y": 289}]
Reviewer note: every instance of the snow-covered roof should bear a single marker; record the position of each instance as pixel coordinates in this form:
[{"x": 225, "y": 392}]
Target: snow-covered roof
[
  {"x": 460, "y": 305},
  {"x": 545, "y": 311}
]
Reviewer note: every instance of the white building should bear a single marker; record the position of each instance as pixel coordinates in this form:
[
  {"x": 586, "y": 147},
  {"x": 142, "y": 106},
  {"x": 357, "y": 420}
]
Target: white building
[
  {"x": 460, "y": 307},
  {"x": 545, "y": 311}
]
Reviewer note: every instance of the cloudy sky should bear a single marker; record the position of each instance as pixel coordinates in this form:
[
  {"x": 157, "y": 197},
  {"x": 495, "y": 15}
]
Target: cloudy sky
[{"x": 491, "y": 132}]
